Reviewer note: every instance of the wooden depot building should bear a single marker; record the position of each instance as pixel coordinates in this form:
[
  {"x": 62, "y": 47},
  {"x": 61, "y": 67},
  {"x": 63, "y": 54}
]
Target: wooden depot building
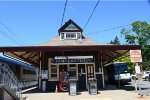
[{"x": 69, "y": 55}]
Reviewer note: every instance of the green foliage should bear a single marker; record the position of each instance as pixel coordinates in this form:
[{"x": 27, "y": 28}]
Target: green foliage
[
  {"x": 115, "y": 41},
  {"x": 139, "y": 34}
]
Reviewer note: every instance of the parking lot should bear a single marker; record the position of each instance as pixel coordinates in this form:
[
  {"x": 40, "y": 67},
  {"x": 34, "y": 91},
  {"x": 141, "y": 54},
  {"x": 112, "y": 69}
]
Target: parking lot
[
  {"x": 145, "y": 86},
  {"x": 111, "y": 92}
]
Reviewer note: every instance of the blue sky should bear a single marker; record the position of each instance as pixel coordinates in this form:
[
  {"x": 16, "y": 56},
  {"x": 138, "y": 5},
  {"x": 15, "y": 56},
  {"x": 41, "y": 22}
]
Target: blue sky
[{"x": 38, "y": 21}]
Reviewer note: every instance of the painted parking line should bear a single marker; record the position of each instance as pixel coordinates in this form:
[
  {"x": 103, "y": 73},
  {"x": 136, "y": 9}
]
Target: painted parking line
[{"x": 29, "y": 89}]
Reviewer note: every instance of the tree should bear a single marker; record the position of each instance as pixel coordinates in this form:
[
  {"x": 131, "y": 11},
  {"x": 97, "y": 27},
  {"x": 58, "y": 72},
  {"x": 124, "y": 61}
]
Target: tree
[
  {"x": 115, "y": 41},
  {"x": 139, "y": 34}
]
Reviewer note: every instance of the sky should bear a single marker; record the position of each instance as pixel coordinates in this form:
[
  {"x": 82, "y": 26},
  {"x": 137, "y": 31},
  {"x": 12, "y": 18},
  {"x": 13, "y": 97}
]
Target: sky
[{"x": 33, "y": 22}]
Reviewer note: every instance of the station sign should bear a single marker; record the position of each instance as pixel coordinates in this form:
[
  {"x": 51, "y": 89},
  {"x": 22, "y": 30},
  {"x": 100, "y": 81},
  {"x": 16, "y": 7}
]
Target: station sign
[
  {"x": 73, "y": 59},
  {"x": 135, "y": 56}
]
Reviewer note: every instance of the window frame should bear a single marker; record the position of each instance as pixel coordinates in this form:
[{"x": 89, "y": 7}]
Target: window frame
[
  {"x": 69, "y": 36},
  {"x": 50, "y": 78},
  {"x": 77, "y": 35},
  {"x": 76, "y": 71},
  {"x": 50, "y": 73}
]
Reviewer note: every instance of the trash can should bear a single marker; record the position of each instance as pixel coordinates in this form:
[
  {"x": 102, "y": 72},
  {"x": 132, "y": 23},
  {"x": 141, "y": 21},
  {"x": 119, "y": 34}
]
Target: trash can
[
  {"x": 92, "y": 86},
  {"x": 73, "y": 87}
]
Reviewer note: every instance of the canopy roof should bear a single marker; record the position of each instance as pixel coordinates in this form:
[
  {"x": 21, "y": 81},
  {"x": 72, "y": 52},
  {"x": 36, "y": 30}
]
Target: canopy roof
[{"x": 33, "y": 54}]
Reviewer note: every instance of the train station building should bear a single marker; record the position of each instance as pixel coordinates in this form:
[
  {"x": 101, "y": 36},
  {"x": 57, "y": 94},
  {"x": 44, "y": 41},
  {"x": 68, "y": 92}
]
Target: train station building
[{"x": 72, "y": 53}]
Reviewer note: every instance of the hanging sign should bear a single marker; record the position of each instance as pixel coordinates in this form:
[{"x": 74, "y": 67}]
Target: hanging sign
[
  {"x": 135, "y": 56},
  {"x": 73, "y": 59}
]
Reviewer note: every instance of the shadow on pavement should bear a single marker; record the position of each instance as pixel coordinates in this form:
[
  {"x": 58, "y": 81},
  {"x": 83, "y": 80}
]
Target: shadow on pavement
[
  {"x": 116, "y": 87},
  {"x": 127, "y": 87}
]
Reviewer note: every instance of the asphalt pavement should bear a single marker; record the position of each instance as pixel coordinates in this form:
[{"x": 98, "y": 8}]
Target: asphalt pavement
[{"x": 111, "y": 92}]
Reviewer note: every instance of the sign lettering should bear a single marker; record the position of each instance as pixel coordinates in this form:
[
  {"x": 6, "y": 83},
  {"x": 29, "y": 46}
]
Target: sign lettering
[{"x": 135, "y": 56}]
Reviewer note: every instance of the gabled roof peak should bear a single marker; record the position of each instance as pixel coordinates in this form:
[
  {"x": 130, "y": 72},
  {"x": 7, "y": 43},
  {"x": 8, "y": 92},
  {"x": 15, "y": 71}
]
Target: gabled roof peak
[{"x": 70, "y": 26}]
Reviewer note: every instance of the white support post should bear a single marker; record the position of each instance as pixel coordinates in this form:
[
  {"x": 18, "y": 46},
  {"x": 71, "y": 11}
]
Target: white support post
[{"x": 103, "y": 77}]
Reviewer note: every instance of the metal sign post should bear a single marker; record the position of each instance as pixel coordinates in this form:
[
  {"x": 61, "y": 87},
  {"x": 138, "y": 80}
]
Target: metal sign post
[
  {"x": 138, "y": 74},
  {"x": 136, "y": 56}
]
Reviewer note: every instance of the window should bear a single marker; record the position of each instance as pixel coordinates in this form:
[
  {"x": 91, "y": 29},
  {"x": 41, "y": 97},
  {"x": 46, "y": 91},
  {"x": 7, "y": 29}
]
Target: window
[
  {"x": 78, "y": 35},
  {"x": 53, "y": 69},
  {"x": 72, "y": 72},
  {"x": 33, "y": 72},
  {"x": 28, "y": 72},
  {"x": 62, "y": 36},
  {"x": 81, "y": 68},
  {"x": 24, "y": 71},
  {"x": 70, "y": 35},
  {"x": 120, "y": 69}
]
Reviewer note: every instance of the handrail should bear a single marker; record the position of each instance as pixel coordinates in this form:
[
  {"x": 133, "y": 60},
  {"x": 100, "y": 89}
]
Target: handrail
[
  {"x": 9, "y": 80},
  {"x": 10, "y": 71}
]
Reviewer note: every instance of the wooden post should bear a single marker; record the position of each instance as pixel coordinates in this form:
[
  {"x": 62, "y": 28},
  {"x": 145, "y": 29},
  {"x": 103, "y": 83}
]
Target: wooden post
[
  {"x": 41, "y": 64},
  {"x": 40, "y": 70},
  {"x": 101, "y": 61},
  {"x": 119, "y": 81}
]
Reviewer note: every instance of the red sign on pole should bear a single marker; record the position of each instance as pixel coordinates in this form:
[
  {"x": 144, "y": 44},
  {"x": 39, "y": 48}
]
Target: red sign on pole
[{"x": 135, "y": 56}]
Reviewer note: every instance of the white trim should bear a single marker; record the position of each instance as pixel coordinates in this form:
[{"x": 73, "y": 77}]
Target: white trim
[
  {"x": 72, "y": 63},
  {"x": 72, "y": 57},
  {"x": 49, "y": 70},
  {"x": 103, "y": 77},
  {"x": 76, "y": 36}
]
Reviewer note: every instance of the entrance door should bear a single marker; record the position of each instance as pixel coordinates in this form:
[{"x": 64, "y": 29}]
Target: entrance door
[{"x": 89, "y": 72}]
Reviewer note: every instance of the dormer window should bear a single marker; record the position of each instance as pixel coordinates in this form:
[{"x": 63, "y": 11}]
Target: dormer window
[
  {"x": 70, "y": 35},
  {"x": 70, "y": 30}
]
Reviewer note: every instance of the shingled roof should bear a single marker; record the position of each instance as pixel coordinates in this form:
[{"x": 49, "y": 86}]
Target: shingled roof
[{"x": 85, "y": 41}]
